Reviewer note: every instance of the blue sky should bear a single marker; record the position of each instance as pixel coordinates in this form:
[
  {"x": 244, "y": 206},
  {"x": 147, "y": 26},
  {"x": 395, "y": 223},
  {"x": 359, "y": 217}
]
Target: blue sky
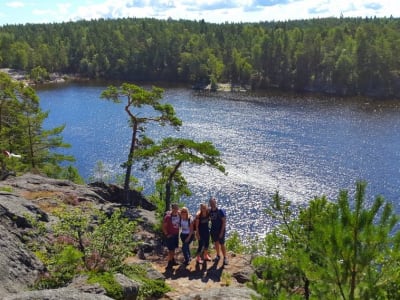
[{"x": 215, "y": 11}]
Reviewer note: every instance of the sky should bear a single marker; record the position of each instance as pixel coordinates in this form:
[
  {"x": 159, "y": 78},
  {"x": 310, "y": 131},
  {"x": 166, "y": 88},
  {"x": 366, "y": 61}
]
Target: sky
[{"x": 213, "y": 11}]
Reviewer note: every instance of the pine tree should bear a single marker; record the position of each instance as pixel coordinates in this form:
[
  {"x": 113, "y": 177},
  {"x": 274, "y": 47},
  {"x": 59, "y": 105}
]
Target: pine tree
[
  {"x": 343, "y": 250},
  {"x": 171, "y": 154},
  {"x": 22, "y": 132},
  {"x": 137, "y": 98}
]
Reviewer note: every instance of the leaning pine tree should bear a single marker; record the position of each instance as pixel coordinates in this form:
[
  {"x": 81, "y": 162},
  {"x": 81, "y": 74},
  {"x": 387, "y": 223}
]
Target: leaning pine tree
[
  {"x": 137, "y": 98},
  {"x": 170, "y": 155}
]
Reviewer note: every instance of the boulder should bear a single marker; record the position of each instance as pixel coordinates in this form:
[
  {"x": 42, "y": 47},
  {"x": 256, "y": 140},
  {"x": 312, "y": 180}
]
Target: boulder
[
  {"x": 19, "y": 268},
  {"x": 56, "y": 294},
  {"x": 238, "y": 293}
]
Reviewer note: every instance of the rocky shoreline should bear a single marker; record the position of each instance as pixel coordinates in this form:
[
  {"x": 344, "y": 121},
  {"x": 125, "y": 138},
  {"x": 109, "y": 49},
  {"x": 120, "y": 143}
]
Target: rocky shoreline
[
  {"x": 23, "y": 76},
  {"x": 30, "y": 194}
]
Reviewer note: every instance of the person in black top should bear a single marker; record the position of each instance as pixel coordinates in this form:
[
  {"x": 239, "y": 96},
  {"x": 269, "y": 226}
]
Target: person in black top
[
  {"x": 217, "y": 231},
  {"x": 203, "y": 233}
]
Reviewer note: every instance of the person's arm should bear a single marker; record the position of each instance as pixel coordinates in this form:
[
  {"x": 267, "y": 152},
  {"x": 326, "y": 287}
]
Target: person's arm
[
  {"x": 165, "y": 227},
  {"x": 197, "y": 227},
  {"x": 223, "y": 219},
  {"x": 191, "y": 228}
]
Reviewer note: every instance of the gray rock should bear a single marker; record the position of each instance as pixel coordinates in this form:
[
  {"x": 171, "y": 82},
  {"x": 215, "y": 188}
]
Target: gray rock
[
  {"x": 19, "y": 268},
  {"x": 16, "y": 208},
  {"x": 80, "y": 283},
  {"x": 34, "y": 183},
  {"x": 239, "y": 293},
  {"x": 56, "y": 294},
  {"x": 130, "y": 287}
]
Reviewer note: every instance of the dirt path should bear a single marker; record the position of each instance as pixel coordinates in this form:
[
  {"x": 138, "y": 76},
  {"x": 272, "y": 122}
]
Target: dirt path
[{"x": 195, "y": 278}]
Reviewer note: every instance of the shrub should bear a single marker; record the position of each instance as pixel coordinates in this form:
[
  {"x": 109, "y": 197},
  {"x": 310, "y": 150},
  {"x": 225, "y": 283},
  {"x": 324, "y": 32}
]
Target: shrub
[{"x": 108, "y": 282}]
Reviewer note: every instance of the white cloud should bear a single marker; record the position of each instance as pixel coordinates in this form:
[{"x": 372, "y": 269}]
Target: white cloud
[
  {"x": 216, "y": 11},
  {"x": 232, "y": 11},
  {"x": 15, "y": 4}
]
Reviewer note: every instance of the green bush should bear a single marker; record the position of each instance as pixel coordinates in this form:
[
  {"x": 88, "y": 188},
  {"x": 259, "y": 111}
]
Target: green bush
[
  {"x": 234, "y": 244},
  {"x": 61, "y": 267},
  {"x": 108, "y": 282},
  {"x": 83, "y": 242},
  {"x": 149, "y": 289},
  {"x": 331, "y": 250}
]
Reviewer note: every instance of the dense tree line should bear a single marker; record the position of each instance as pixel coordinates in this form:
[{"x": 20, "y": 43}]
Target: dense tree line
[{"x": 347, "y": 56}]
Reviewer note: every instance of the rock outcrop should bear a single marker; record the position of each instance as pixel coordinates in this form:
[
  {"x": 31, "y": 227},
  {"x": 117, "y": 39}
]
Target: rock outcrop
[{"x": 31, "y": 195}]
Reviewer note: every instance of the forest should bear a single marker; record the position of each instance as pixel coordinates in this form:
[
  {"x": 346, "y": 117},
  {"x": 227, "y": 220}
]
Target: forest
[{"x": 337, "y": 56}]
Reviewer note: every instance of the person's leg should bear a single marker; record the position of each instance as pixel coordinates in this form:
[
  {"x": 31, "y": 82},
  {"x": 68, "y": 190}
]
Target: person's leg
[
  {"x": 171, "y": 255},
  {"x": 214, "y": 238},
  {"x": 185, "y": 248},
  {"x": 223, "y": 249},
  {"x": 206, "y": 256},
  {"x": 199, "y": 250},
  {"x": 217, "y": 248},
  {"x": 171, "y": 251},
  {"x": 175, "y": 246}
]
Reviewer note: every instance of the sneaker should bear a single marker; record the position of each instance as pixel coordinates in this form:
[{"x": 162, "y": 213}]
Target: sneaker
[
  {"x": 207, "y": 257},
  {"x": 199, "y": 260},
  {"x": 226, "y": 261},
  {"x": 217, "y": 258}
]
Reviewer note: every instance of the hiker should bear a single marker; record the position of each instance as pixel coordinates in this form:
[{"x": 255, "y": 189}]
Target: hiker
[
  {"x": 202, "y": 233},
  {"x": 170, "y": 229},
  {"x": 217, "y": 231},
  {"x": 187, "y": 233}
]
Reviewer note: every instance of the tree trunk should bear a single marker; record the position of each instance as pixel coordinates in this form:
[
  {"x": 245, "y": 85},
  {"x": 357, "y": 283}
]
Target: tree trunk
[
  {"x": 167, "y": 196},
  {"x": 169, "y": 184},
  {"x": 129, "y": 164}
]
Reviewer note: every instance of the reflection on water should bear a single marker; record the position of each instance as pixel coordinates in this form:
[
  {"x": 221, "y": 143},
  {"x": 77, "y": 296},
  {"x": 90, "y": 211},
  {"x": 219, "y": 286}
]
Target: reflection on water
[{"x": 300, "y": 146}]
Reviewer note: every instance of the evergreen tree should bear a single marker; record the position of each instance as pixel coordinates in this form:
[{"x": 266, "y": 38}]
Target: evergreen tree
[
  {"x": 22, "y": 132},
  {"x": 329, "y": 250},
  {"x": 137, "y": 98},
  {"x": 171, "y": 154}
]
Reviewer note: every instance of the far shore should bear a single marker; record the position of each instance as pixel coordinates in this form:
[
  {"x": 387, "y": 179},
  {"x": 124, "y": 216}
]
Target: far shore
[{"x": 23, "y": 76}]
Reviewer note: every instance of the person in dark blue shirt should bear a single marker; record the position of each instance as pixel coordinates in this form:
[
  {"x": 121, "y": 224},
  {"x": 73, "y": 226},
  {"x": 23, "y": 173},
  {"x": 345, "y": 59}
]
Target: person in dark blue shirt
[{"x": 217, "y": 231}]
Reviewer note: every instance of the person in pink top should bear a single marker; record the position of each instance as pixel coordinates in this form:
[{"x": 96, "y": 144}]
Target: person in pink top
[{"x": 170, "y": 229}]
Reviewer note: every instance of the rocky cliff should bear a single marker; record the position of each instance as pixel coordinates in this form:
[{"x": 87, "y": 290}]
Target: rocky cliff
[{"x": 32, "y": 195}]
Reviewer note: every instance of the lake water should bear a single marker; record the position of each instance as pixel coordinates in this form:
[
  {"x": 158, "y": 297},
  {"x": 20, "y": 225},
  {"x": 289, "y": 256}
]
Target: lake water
[{"x": 300, "y": 146}]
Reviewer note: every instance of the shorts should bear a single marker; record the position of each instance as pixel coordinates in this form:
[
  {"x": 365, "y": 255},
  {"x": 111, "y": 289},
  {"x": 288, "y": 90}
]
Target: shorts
[
  {"x": 215, "y": 237},
  {"x": 172, "y": 242}
]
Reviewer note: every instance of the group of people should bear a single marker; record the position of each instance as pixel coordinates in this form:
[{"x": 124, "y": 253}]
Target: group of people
[{"x": 178, "y": 223}]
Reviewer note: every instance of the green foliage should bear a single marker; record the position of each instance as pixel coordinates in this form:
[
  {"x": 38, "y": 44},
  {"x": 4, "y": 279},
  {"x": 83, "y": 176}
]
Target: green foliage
[
  {"x": 149, "y": 289},
  {"x": 108, "y": 282},
  {"x": 137, "y": 98},
  {"x": 82, "y": 240},
  {"x": 234, "y": 243},
  {"x": 169, "y": 155},
  {"x": 345, "y": 56},
  {"x": 330, "y": 250},
  {"x": 106, "y": 245},
  {"x": 8, "y": 189},
  {"x": 61, "y": 266},
  {"x": 39, "y": 74},
  {"x": 22, "y": 132}
]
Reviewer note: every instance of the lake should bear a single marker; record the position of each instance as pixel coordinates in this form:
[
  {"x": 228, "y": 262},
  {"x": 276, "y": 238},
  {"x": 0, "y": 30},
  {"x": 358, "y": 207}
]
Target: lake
[{"x": 300, "y": 146}]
